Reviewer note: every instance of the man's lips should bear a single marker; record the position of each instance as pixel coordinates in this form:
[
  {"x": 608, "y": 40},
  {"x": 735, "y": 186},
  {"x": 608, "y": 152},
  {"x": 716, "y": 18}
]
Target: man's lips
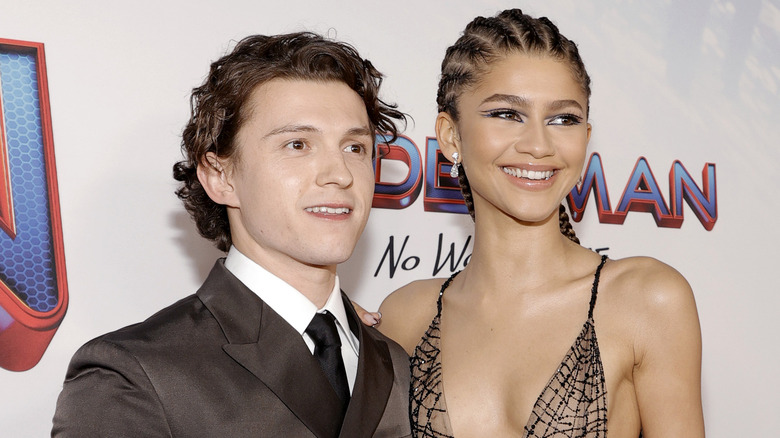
[{"x": 322, "y": 209}]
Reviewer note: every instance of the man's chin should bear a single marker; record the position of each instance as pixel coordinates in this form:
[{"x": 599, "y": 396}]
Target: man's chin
[{"x": 328, "y": 257}]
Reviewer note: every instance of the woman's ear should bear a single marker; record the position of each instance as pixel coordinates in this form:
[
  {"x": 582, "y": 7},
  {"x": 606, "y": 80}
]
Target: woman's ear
[
  {"x": 447, "y": 135},
  {"x": 215, "y": 177}
]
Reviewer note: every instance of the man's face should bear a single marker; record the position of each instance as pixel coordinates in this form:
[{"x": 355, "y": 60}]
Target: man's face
[{"x": 302, "y": 180}]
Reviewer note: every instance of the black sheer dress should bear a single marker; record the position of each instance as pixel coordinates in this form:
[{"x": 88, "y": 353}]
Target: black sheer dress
[{"x": 573, "y": 404}]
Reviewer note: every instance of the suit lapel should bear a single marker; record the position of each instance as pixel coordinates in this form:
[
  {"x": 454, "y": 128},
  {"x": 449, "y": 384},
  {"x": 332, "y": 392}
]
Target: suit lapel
[
  {"x": 267, "y": 346},
  {"x": 373, "y": 382},
  {"x": 281, "y": 360}
]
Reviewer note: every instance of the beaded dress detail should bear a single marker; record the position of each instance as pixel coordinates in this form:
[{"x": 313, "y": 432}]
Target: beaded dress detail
[{"x": 573, "y": 404}]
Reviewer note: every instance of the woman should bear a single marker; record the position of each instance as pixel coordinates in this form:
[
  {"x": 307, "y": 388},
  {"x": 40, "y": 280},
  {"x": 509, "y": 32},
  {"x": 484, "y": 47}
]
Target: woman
[{"x": 513, "y": 102}]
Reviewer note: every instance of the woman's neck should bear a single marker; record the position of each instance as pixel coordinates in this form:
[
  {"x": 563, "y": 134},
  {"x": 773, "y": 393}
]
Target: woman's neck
[{"x": 524, "y": 256}]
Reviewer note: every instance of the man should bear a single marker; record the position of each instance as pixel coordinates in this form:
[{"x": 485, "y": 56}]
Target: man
[{"x": 278, "y": 172}]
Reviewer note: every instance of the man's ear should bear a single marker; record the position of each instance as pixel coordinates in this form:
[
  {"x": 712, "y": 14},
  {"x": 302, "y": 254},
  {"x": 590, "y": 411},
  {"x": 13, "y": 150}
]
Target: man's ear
[
  {"x": 214, "y": 175},
  {"x": 447, "y": 135}
]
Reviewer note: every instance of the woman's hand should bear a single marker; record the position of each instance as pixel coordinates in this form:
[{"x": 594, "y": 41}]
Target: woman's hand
[{"x": 371, "y": 319}]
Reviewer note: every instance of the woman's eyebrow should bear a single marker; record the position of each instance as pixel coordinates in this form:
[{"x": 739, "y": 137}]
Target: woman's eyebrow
[
  {"x": 564, "y": 103},
  {"x": 508, "y": 98},
  {"x": 522, "y": 102}
]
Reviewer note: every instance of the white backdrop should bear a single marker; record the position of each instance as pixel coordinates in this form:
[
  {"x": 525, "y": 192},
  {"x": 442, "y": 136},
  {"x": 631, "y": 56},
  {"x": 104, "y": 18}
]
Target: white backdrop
[{"x": 695, "y": 81}]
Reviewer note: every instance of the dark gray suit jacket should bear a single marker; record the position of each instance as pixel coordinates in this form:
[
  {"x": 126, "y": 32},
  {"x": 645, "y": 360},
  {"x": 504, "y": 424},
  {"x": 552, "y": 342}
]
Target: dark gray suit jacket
[{"x": 221, "y": 363}]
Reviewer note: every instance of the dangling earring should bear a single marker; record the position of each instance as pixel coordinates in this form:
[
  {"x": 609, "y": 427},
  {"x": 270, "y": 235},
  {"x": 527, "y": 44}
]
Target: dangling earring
[{"x": 455, "y": 164}]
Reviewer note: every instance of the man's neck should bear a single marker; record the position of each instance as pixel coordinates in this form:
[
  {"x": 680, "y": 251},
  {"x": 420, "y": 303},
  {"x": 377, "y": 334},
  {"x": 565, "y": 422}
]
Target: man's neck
[{"x": 314, "y": 282}]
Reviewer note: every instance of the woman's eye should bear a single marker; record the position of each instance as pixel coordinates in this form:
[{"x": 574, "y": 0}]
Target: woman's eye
[
  {"x": 506, "y": 114},
  {"x": 566, "y": 120},
  {"x": 296, "y": 144}
]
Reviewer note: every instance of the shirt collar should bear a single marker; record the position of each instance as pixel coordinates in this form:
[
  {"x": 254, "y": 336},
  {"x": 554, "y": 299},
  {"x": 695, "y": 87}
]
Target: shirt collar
[{"x": 284, "y": 299}]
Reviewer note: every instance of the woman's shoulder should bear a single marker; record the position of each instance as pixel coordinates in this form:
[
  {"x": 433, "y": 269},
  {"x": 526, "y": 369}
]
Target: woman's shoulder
[
  {"x": 418, "y": 290},
  {"x": 650, "y": 293},
  {"x": 646, "y": 306},
  {"x": 646, "y": 278},
  {"x": 408, "y": 311}
]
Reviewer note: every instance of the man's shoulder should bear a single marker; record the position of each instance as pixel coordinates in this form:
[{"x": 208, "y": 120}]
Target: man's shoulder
[
  {"x": 396, "y": 351},
  {"x": 164, "y": 329},
  {"x": 184, "y": 321}
]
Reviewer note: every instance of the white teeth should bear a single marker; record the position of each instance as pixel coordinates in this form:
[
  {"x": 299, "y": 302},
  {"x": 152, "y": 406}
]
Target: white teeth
[
  {"x": 528, "y": 174},
  {"x": 328, "y": 210}
]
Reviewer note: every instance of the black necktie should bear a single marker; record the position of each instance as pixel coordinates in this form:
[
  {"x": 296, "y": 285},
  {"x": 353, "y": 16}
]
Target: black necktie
[{"x": 327, "y": 349}]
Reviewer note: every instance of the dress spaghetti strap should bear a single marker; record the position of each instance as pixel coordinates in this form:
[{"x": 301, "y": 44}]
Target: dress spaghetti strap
[{"x": 594, "y": 291}]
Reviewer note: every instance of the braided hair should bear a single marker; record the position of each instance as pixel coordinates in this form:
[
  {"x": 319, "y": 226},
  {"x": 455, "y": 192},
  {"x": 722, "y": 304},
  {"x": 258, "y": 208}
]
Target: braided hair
[{"x": 486, "y": 40}]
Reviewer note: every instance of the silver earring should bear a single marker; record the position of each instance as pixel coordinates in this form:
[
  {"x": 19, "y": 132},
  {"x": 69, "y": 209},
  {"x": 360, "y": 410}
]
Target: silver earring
[{"x": 455, "y": 164}]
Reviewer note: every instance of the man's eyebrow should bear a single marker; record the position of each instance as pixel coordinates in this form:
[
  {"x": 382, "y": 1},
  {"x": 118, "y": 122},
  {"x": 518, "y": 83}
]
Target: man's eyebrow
[
  {"x": 362, "y": 130},
  {"x": 286, "y": 129}
]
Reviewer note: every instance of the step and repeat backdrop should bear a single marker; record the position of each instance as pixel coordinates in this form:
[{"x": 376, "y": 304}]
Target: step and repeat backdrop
[{"x": 682, "y": 164}]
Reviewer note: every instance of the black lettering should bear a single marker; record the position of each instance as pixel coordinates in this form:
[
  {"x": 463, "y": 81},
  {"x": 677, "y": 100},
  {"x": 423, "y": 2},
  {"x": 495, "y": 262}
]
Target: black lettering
[
  {"x": 390, "y": 253},
  {"x": 450, "y": 256}
]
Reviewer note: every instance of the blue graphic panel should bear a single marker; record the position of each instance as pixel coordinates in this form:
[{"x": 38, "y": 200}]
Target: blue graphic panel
[{"x": 27, "y": 260}]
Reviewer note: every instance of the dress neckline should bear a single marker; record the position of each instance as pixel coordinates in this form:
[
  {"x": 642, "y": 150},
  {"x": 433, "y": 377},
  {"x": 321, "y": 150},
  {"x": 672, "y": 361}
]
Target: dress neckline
[{"x": 564, "y": 369}]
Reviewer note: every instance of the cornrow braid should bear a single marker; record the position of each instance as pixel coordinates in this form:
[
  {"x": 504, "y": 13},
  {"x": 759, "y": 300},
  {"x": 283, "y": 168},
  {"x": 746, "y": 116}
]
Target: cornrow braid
[
  {"x": 486, "y": 40},
  {"x": 465, "y": 189},
  {"x": 565, "y": 226}
]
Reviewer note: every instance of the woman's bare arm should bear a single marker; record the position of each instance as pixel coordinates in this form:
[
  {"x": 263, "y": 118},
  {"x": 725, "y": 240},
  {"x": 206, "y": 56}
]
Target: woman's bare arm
[
  {"x": 667, "y": 371},
  {"x": 407, "y": 312}
]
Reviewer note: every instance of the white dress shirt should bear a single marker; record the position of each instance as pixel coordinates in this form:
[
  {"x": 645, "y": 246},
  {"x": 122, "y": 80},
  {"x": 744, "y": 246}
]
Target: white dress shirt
[{"x": 294, "y": 307}]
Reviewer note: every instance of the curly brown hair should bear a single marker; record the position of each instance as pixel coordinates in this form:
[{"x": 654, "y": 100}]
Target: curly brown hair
[
  {"x": 486, "y": 40},
  {"x": 219, "y": 107}
]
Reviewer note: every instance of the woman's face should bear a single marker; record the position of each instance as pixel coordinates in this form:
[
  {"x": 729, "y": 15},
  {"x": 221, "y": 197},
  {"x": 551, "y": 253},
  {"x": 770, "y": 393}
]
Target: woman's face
[{"x": 522, "y": 137}]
